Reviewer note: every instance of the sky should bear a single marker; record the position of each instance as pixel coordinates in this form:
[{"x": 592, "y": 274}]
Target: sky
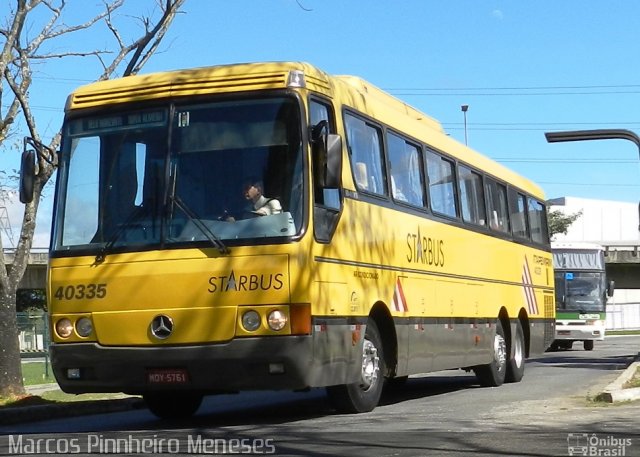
[{"x": 522, "y": 67}]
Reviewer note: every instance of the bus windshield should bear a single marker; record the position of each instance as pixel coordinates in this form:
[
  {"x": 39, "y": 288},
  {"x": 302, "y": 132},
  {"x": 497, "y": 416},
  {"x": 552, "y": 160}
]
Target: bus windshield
[
  {"x": 230, "y": 171},
  {"x": 580, "y": 291}
]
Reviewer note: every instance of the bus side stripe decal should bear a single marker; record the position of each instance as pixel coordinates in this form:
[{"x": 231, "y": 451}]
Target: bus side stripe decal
[
  {"x": 527, "y": 285},
  {"x": 399, "y": 300},
  {"x": 431, "y": 273}
]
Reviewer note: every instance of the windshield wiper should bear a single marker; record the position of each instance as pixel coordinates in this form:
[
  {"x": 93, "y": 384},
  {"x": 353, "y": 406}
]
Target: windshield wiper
[
  {"x": 215, "y": 240},
  {"x": 132, "y": 217}
]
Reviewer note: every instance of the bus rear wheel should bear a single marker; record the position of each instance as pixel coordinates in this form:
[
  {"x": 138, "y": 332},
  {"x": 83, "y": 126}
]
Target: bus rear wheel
[
  {"x": 364, "y": 395},
  {"x": 515, "y": 367},
  {"x": 493, "y": 374},
  {"x": 173, "y": 405}
]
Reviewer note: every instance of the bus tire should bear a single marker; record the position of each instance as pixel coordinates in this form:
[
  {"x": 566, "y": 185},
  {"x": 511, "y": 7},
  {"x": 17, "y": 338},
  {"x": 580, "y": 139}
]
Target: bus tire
[
  {"x": 493, "y": 374},
  {"x": 173, "y": 405},
  {"x": 588, "y": 345},
  {"x": 364, "y": 395},
  {"x": 515, "y": 366}
]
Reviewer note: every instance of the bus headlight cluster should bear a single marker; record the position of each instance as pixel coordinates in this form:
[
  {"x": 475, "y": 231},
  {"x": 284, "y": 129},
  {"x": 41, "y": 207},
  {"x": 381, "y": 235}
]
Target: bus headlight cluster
[
  {"x": 64, "y": 328},
  {"x": 277, "y": 320},
  {"x": 251, "y": 321},
  {"x": 83, "y": 327}
]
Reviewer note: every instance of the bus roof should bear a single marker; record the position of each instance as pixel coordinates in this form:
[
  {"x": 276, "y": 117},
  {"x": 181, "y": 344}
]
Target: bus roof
[
  {"x": 276, "y": 75},
  {"x": 387, "y": 108},
  {"x": 196, "y": 81}
]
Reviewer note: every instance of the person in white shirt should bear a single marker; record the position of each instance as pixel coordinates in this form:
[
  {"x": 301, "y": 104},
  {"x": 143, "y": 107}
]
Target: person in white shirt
[
  {"x": 259, "y": 204},
  {"x": 262, "y": 205}
]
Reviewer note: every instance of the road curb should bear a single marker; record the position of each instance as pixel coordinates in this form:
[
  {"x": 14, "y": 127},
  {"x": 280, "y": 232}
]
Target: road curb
[
  {"x": 20, "y": 414},
  {"x": 615, "y": 391}
]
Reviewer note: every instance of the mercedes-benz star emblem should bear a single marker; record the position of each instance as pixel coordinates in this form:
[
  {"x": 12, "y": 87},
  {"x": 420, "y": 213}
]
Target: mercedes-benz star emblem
[{"x": 161, "y": 326}]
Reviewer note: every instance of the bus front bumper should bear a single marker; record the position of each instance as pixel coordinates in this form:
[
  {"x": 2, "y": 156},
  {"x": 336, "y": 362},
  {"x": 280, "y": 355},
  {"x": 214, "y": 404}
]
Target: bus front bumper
[
  {"x": 579, "y": 332},
  {"x": 241, "y": 364}
]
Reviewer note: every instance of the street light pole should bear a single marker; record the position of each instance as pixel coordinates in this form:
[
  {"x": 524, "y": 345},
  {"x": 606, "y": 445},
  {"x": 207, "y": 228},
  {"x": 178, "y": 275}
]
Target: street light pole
[
  {"x": 464, "y": 114},
  {"x": 599, "y": 134}
]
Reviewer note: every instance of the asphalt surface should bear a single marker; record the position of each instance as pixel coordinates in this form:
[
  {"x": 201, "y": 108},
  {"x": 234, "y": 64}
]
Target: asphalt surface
[{"x": 612, "y": 393}]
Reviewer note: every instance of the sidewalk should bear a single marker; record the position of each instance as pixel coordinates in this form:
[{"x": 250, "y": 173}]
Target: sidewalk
[
  {"x": 56, "y": 410},
  {"x": 38, "y": 389}
]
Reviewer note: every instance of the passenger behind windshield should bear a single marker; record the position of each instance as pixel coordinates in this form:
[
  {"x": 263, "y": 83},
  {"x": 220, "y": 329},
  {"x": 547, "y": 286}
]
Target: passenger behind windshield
[{"x": 259, "y": 205}]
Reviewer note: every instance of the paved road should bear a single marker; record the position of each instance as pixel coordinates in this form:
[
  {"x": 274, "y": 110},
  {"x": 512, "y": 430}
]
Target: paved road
[{"x": 443, "y": 413}]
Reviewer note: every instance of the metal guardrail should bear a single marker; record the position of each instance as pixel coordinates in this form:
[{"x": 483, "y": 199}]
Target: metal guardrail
[
  {"x": 33, "y": 337},
  {"x": 33, "y": 332}
]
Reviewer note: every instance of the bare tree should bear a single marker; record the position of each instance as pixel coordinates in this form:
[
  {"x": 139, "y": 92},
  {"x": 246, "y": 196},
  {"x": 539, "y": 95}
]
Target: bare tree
[{"x": 18, "y": 54}]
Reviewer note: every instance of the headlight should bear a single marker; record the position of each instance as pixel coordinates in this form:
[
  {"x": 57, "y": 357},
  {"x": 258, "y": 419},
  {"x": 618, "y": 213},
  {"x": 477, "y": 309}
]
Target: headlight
[
  {"x": 84, "y": 326},
  {"x": 251, "y": 321},
  {"x": 277, "y": 320},
  {"x": 64, "y": 328}
]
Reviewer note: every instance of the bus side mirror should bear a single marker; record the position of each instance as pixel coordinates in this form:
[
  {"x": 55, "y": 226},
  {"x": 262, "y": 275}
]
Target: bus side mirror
[
  {"x": 333, "y": 179},
  {"x": 611, "y": 287},
  {"x": 27, "y": 175},
  {"x": 327, "y": 156}
]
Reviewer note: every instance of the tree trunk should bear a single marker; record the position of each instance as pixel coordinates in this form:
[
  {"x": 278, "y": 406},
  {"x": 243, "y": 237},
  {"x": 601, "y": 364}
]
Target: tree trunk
[{"x": 11, "y": 382}]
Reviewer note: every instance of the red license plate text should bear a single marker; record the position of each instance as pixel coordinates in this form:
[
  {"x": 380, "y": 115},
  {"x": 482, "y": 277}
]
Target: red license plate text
[{"x": 167, "y": 376}]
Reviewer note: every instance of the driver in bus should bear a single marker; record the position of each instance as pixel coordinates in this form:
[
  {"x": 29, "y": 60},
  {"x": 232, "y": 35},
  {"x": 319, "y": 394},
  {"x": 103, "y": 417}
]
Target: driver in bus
[{"x": 259, "y": 205}]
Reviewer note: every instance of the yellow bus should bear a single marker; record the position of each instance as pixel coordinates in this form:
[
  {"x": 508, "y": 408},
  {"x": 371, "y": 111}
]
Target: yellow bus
[{"x": 268, "y": 226}]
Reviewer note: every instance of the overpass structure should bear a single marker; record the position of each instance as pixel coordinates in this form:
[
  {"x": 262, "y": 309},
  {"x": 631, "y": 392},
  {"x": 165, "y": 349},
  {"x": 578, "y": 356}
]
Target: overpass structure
[
  {"x": 35, "y": 277},
  {"x": 623, "y": 263}
]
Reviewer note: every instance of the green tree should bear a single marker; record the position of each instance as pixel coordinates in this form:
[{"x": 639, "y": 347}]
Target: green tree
[
  {"x": 560, "y": 222},
  {"x": 32, "y": 31}
]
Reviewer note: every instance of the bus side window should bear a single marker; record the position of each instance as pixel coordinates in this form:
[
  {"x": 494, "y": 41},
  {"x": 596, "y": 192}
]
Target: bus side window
[
  {"x": 441, "y": 179},
  {"x": 471, "y": 196},
  {"x": 538, "y": 221},
  {"x": 365, "y": 151},
  {"x": 518, "y": 209},
  {"x": 405, "y": 165},
  {"x": 497, "y": 206}
]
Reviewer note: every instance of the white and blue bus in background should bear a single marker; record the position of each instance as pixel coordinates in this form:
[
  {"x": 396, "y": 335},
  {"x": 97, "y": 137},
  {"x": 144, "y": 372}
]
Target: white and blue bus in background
[{"x": 582, "y": 291}]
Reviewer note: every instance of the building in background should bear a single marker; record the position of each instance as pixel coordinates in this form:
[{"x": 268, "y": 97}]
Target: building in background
[{"x": 614, "y": 225}]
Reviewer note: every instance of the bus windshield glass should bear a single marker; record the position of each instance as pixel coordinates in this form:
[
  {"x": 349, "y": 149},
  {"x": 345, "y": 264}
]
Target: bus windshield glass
[
  {"x": 229, "y": 171},
  {"x": 580, "y": 291}
]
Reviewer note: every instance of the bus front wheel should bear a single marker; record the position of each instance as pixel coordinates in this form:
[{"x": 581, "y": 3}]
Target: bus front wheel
[
  {"x": 173, "y": 405},
  {"x": 588, "y": 345},
  {"x": 363, "y": 396},
  {"x": 493, "y": 374}
]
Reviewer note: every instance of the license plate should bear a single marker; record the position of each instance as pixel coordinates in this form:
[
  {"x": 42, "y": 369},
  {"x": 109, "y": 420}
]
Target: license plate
[
  {"x": 167, "y": 376},
  {"x": 564, "y": 332}
]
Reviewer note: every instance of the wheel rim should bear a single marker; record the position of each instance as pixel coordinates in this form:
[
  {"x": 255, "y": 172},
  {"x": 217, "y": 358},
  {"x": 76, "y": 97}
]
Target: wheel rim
[
  {"x": 500, "y": 351},
  {"x": 370, "y": 365}
]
